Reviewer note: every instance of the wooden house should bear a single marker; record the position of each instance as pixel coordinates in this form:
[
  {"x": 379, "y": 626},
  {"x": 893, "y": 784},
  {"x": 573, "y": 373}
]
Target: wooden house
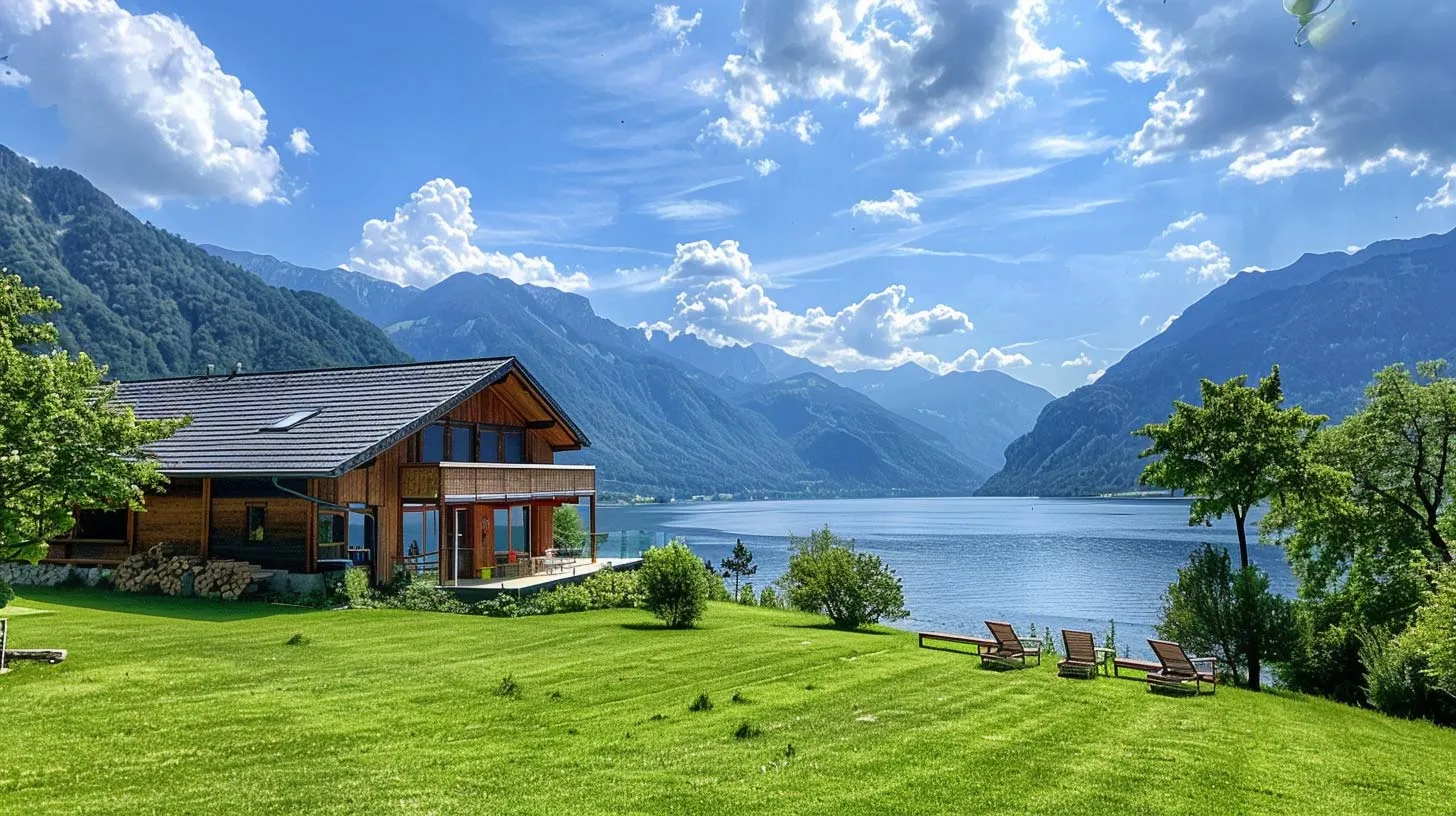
[{"x": 446, "y": 467}]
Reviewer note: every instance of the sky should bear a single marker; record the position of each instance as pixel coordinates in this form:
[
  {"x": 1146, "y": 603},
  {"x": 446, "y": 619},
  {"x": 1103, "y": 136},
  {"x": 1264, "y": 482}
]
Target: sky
[{"x": 1034, "y": 186}]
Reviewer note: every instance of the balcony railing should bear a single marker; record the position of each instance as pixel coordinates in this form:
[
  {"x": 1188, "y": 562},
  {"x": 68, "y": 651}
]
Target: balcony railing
[{"x": 460, "y": 482}]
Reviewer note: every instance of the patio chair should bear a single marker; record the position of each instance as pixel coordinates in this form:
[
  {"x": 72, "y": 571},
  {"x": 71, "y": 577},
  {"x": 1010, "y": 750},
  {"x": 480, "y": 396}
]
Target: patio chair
[
  {"x": 1178, "y": 670},
  {"x": 1010, "y": 650},
  {"x": 1081, "y": 655}
]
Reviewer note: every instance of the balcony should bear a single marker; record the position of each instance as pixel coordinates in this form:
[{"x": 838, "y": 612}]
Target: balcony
[{"x": 469, "y": 483}]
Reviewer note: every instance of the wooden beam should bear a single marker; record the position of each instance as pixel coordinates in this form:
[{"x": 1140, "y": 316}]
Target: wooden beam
[
  {"x": 593, "y": 500},
  {"x": 205, "y": 542}
]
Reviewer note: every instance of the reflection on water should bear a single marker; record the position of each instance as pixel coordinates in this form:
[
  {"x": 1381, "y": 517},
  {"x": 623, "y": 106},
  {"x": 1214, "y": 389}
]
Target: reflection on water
[{"x": 1073, "y": 563}]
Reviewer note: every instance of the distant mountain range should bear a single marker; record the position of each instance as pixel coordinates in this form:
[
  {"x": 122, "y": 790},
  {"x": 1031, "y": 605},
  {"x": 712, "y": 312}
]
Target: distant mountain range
[
  {"x": 1330, "y": 321},
  {"x": 147, "y": 303},
  {"x": 676, "y": 416}
]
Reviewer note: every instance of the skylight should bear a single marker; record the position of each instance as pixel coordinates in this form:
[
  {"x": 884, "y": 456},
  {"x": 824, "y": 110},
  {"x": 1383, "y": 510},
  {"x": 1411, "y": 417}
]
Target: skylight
[{"x": 291, "y": 421}]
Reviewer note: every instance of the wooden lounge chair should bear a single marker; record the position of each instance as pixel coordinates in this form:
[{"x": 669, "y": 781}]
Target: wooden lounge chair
[
  {"x": 1010, "y": 650},
  {"x": 1081, "y": 655},
  {"x": 1177, "y": 669}
]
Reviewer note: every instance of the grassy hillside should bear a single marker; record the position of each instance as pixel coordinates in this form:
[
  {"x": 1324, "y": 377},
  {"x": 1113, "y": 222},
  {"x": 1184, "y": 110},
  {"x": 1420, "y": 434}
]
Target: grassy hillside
[{"x": 187, "y": 706}]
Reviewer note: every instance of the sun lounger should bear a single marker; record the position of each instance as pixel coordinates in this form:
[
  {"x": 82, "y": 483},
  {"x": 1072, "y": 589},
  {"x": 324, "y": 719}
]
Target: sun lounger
[
  {"x": 1081, "y": 655},
  {"x": 1010, "y": 650},
  {"x": 1177, "y": 670}
]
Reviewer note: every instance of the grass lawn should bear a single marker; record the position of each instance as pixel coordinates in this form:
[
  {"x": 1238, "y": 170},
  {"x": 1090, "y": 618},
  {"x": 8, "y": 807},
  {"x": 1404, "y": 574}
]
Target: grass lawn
[{"x": 188, "y": 706}]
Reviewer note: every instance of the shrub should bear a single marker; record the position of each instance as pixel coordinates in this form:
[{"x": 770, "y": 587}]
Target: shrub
[
  {"x": 674, "y": 584},
  {"x": 769, "y": 598},
  {"x": 746, "y": 730},
  {"x": 356, "y": 589},
  {"x": 421, "y": 593},
  {"x": 827, "y": 576},
  {"x": 703, "y": 703},
  {"x": 717, "y": 586},
  {"x": 611, "y": 589},
  {"x": 509, "y": 688},
  {"x": 298, "y": 639},
  {"x": 569, "y": 598},
  {"x": 746, "y": 595},
  {"x": 1434, "y": 633}
]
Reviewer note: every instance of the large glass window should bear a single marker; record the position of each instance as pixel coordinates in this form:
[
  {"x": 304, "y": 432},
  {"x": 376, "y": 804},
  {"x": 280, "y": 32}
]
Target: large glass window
[
  {"x": 513, "y": 447},
  {"x": 488, "y": 448},
  {"x": 257, "y": 527},
  {"x": 462, "y": 443},
  {"x": 361, "y": 534},
  {"x": 100, "y": 525},
  {"x": 432, "y": 444},
  {"x": 421, "y": 538}
]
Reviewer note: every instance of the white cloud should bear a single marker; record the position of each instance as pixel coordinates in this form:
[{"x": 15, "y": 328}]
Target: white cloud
[
  {"x": 1077, "y": 362},
  {"x": 975, "y": 361},
  {"x": 1151, "y": 274},
  {"x": 149, "y": 113},
  {"x": 1096, "y": 375},
  {"x": 1071, "y": 147},
  {"x": 1145, "y": 319},
  {"x": 1205, "y": 258},
  {"x": 669, "y": 21},
  {"x": 1167, "y": 324},
  {"x": 1184, "y": 225},
  {"x": 763, "y": 167},
  {"x": 299, "y": 142},
  {"x": 901, "y": 205},
  {"x": 1352, "y": 249},
  {"x": 429, "y": 239},
  {"x": 700, "y": 262},
  {"x": 1361, "y": 99},
  {"x": 690, "y": 210},
  {"x": 911, "y": 65}
]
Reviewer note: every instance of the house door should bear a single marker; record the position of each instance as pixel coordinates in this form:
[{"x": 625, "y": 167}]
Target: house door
[{"x": 460, "y": 557}]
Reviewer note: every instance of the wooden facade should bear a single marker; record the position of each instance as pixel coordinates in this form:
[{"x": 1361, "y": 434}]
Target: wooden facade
[{"x": 295, "y": 523}]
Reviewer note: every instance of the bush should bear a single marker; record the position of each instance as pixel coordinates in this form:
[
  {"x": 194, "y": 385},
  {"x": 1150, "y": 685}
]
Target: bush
[
  {"x": 770, "y": 598},
  {"x": 1397, "y": 680},
  {"x": 611, "y": 589},
  {"x": 674, "y": 584},
  {"x": 421, "y": 593},
  {"x": 569, "y": 598},
  {"x": 717, "y": 585},
  {"x": 509, "y": 688},
  {"x": 1213, "y": 609},
  {"x": 356, "y": 589},
  {"x": 746, "y": 595},
  {"x": 1433, "y": 634},
  {"x": 827, "y": 576},
  {"x": 703, "y": 703}
]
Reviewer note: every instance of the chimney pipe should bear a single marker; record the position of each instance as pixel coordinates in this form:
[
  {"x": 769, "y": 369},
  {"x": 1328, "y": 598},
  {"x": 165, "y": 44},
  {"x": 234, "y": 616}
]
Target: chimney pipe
[
  {"x": 238, "y": 369},
  {"x": 210, "y": 369}
]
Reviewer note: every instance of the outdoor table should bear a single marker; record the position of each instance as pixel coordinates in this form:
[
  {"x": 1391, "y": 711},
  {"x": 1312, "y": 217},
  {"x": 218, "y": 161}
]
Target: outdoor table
[{"x": 1104, "y": 657}]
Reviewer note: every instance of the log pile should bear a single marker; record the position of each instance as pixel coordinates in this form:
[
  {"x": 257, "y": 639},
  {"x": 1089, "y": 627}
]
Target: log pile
[
  {"x": 230, "y": 579},
  {"x": 143, "y": 572}
]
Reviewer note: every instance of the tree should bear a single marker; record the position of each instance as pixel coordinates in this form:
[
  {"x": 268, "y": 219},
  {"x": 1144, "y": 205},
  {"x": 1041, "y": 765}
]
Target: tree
[
  {"x": 1211, "y": 609},
  {"x": 674, "y": 584},
  {"x": 1237, "y": 449},
  {"x": 1370, "y": 529},
  {"x": 567, "y": 531},
  {"x": 64, "y": 441},
  {"x": 827, "y": 576},
  {"x": 740, "y": 564}
]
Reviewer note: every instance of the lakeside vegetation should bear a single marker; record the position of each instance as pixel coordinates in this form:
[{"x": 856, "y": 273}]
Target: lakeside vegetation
[{"x": 385, "y": 710}]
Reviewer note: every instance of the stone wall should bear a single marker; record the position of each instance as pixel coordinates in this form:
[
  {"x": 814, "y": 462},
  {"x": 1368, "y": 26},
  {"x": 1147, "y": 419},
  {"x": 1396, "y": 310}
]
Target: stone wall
[{"x": 47, "y": 575}]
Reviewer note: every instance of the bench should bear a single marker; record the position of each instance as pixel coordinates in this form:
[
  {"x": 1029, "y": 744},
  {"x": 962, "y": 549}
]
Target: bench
[
  {"x": 979, "y": 642},
  {"x": 1136, "y": 665}
]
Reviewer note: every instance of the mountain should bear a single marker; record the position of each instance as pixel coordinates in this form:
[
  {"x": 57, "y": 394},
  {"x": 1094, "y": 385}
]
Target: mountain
[
  {"x": 1329, "y": 321},
  {"x": 850, "y": 440},
  {"x": 147, "y": 303},
  {"x": 980, "y": 412},
  {"x": 676, "y": 416},
  {"x": 371, "y": 298}
]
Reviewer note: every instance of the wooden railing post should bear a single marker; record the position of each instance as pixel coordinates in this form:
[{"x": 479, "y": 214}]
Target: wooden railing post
[{"x": 593, "y": 500}]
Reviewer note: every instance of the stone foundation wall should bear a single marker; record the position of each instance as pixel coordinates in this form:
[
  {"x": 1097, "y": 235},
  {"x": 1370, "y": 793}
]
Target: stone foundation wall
[{"x": 49, "y": 575}]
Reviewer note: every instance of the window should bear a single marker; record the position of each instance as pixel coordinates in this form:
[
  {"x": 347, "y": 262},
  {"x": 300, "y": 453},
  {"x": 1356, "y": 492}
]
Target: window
[
  {"x": 421, "y": 538},
  {"x": 257, "y": 522},
  {"x": 291, "y": 421},
  {"x": 462, "y": 443},
  {"x": 432, "y": 444},
  {"x": 333, "y": 534},
  {"x": 513, "y": 447},
  {"x": 100, "y": 525},
  {"x": 488, "y": 447}
]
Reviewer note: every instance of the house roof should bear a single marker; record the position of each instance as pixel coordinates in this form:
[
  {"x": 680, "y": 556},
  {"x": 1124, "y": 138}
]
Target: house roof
[{"x": 360, "y": 413}]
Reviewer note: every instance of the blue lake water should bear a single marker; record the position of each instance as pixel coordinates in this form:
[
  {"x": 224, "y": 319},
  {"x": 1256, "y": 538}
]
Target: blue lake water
[{"x": 1073, "y": 563}]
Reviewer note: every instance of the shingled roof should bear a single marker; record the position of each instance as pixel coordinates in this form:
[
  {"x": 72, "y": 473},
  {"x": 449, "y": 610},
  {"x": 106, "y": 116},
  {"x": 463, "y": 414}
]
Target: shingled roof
[{"x": 360, "y": 413}]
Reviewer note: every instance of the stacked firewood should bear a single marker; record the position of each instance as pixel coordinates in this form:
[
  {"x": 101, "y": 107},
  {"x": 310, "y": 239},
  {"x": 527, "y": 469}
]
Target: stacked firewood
[
  {"x": 144, "y": 571},
  {"x": 230, "y": 579}
]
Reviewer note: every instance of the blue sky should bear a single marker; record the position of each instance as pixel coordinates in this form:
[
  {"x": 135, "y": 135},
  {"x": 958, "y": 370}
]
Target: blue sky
[{"x": 1032, "y": 185}]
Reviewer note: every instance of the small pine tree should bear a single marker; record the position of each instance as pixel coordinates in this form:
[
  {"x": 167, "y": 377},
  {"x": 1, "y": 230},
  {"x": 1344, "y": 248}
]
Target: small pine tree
[{"x": 739, "y": 565}]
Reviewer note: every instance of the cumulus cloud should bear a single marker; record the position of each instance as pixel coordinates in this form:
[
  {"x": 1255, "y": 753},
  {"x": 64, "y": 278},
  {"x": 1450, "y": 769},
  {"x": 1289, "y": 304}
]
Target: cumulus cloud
[
  {"x": 1204, "y": 258},
  {"x": 921, "y": 66},
  {"x": 763, "y": 167},
  {"x": 1077, "y": 362},
  {"x": 1144, "y": 320},
  {"x": 1096, "y": 375},
  {"x": 300, "y": 143},
  {"x": 669, "y": 21},
  {"x": 1234, "y": 87},
  {"x": 149, "y": 113},
  {"x": 1184, "y": 225},
  {"x": 1167, "y": 324},
  {"x": 975, "y": 361},
  {"x": 430, "y": 238},
  {"x": 723, "y": 301},
  {"x": 901, "y": 205}
]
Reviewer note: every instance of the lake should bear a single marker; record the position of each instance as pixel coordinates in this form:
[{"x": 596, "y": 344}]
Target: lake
[{"x": 1073, "y": 563}]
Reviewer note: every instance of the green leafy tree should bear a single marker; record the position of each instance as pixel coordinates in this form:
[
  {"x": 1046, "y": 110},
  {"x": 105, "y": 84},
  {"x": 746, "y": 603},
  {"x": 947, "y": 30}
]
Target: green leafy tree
[
  {"x": 827, "y": 576},
  {"x": 1213, "y": 609},
  {"x": 65, "y": 443},
  {"x": 1235, "y": 450},
  {"x": 739, "y": 565},
  {"x": 1367, "y": 533},
  {"x": 674, "y": 584},
  {"x": 567, "y": 531}
]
